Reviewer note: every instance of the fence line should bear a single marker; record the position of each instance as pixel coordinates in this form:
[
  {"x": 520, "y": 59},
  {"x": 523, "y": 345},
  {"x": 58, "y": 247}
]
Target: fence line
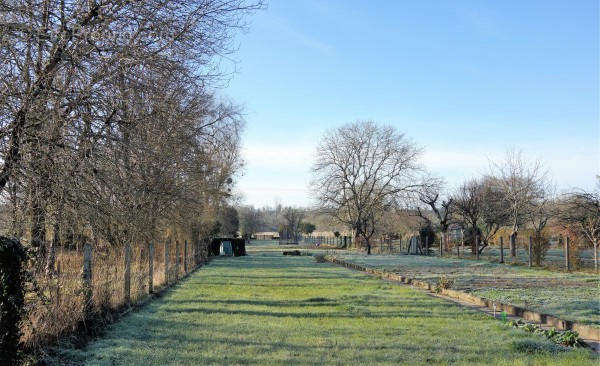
[{"x": 94, "y": 281}]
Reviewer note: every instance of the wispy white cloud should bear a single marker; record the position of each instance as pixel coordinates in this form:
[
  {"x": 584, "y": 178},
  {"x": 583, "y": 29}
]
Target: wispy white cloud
[{"x": 284, "y": 27}]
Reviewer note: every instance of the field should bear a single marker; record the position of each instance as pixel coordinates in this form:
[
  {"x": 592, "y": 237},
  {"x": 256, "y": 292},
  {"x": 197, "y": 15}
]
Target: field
[
  {"x": 572, "y": 296},
  {"x": 269, "y": 309}
]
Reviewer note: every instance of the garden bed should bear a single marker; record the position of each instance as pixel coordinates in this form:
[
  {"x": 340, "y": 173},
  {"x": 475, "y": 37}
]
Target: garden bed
[{"x": 570, "y": 296}]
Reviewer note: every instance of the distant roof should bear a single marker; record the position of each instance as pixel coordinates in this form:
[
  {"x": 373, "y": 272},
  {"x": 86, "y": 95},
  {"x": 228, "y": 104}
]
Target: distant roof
[{"x": 267, "y": 233}]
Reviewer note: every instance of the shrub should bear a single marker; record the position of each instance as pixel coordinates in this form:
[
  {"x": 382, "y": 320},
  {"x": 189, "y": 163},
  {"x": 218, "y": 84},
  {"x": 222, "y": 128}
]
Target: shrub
[
  {"x": 12, "y": 290},
  {"x": 320, "y": 258},
  {"x": 443, "y": 283},
  {"x": 569, "y": 338}
]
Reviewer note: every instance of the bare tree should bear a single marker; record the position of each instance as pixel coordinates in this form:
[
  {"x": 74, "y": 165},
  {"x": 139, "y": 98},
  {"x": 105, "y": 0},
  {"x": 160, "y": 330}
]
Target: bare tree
[
  {"x": 479, "y": 203},
  {"x": 292, "y": 223},
  {"x": 521, "y": 182},
  {"x": 251, "y": 220},
  {"x": 362, "y": 169},
  {"x": 581, "y": 211},
  {"x": 430, "y": 195},
  {"x": 542, "y": 210},
  {"x": 108, "y": 120}
]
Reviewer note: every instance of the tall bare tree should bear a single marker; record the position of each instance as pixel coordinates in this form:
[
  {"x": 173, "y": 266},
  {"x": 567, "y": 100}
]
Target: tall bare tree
[
  {"x": 581, "y": 211},
  {"x": 521, "y": 182},
  {"x": 361, "y": 169},
  {"x": 292, "y": 222},
  {"x": 108, "y": 119},
  {"x": 251, "y": 220}
]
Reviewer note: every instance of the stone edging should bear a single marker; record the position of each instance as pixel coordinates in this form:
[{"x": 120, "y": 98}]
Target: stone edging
[{"x": 585, "y": 331}]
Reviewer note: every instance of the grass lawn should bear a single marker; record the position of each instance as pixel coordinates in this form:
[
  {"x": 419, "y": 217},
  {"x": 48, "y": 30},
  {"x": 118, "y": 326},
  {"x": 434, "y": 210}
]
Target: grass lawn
[
  {"x": 572, "y": 296},
  {"x": 269, "y": 309}
]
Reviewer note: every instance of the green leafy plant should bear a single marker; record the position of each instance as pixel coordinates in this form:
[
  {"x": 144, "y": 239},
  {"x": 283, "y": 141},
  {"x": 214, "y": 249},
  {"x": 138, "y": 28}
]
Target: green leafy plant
[
  {"x": 570, "y": 338},
  {"x": 529, "y": 327},
  {"x": 443, "y": 283}
]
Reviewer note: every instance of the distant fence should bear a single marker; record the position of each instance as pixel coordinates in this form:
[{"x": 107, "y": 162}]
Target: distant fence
[
  {"x": 338, "y": 241},
  {"x": 557, "y": 255},
  {"x": 93, "y": 283}
]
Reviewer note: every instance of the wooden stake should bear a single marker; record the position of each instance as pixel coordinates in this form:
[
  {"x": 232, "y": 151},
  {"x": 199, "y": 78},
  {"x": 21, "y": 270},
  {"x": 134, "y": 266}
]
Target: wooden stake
[
  {"x": 150, "y": 267},
  {"x": 567, "y": 261},
  {"x": 166, "y": 262},
  {"x": 530, "y": 247},
  {"x": 127, "y": 275},
  {"x": 185, "y": 255},
  {"x": 87, "y": 278}
]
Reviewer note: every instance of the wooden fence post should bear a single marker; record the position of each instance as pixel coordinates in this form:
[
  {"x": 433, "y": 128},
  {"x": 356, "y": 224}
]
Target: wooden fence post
[
  {"x": 462, "y": 240},
  {"x": 501, "y": 250},
  {"x": 477, "y": 247},
  {"x": 596, "y": 255},
  {"x": 167, "y": 262},
  {"x": 195, "y": 250},
  {"x": 127, "y": 274},
  {"x": 567, "y": 261},
  {"x": 87, "y": 278},
  {"x": 185, "y": 256},
  {"x": 150, "y": 267},
  {"x": 530, "y": 245},
  {"x": 442, "y": 245},
  {"x": 177, "y": 260}
]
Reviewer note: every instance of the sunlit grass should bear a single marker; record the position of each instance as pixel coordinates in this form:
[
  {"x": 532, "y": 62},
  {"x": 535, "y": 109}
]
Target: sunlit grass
[{"x": 268, "y": 309}]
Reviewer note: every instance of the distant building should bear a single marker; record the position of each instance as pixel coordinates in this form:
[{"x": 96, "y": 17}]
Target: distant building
[{"x": 266, "y": 235}]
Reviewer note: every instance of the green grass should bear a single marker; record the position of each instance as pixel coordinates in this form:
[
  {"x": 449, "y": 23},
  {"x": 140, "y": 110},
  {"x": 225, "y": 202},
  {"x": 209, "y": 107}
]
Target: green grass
[
  {"x": 267, "y": 309},
  {"x": 572, "y": 296}
]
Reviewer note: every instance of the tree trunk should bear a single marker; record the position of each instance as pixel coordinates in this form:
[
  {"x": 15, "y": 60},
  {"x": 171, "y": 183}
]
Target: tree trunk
[
  {"x": 52, "y": 250},
  {"x": 38, "y": 230},
  {"x": 513, "y": 244}
]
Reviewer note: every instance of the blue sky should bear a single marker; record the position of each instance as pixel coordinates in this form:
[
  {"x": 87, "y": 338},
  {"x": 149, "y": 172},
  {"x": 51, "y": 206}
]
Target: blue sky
[{"x": 466, "y": 80}]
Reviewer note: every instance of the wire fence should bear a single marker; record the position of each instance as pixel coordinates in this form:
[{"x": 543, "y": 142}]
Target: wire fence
[
  {"x": 58, "y": 303},
  {"x": 552, "y": 254}
]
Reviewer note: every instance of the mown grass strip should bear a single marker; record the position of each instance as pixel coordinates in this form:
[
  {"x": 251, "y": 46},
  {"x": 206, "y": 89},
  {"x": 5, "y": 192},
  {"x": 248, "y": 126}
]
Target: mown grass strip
[{"x": 267, "y": 309}]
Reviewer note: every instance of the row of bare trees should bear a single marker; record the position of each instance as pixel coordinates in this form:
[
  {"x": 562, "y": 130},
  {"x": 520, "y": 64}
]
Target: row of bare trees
[
  {"x": 365, "y": 173},
  {"x": 516, "y": 194},
  {"x": 110, "y": 128}
]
